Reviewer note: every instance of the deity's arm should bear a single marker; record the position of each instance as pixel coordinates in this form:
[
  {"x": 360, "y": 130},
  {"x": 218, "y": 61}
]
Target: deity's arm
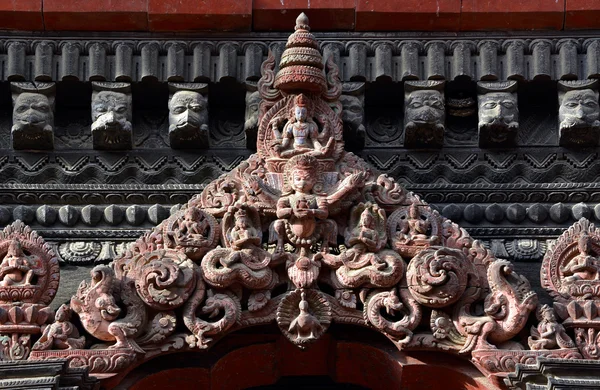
[
  {"x": 322, "y": 211},
  {"x": 548, "y": 331},
  {"x": 314, "y": 135},
  {"x": 352, "y": 182},
  {"x": 287, "y": 134},
  {"x": 284, "y": 209}
]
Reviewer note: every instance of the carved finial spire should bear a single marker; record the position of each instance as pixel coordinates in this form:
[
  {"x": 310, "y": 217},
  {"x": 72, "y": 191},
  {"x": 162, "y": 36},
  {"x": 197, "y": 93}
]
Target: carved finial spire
[
  {"x": 302, "y": 22},
  {"x": 301, "y": 66}
]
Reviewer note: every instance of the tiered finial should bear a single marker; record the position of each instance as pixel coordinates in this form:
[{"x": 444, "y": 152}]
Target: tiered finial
[{"x": 301, "y": 66}]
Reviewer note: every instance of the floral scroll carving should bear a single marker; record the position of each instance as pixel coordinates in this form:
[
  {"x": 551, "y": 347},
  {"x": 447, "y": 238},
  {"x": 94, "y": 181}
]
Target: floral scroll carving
[{"x": 263, "y": 244}]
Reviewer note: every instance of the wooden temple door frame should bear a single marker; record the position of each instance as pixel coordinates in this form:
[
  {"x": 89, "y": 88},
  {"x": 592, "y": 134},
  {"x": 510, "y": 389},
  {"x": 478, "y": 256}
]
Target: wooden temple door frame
[{"x": 244, "y": 361}]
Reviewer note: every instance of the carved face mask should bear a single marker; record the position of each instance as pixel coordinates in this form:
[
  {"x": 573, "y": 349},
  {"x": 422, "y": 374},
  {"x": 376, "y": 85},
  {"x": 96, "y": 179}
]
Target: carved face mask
[
  {"x": 498, "y": 108},
  {"x": 187, "y": 110},
  {"x": 32, "y": 111},
  {"x": 252, "y": 106},
  {"x": 352, "y": 112},
  {"x": 110, "y": 111},
  {"x": 579, "y": 109},
  {"x": 425, "y": 107}
]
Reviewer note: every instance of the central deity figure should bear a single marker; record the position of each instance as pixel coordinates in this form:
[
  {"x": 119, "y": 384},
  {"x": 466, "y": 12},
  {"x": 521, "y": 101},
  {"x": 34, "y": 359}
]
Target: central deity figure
[
  {"x": 303, "y": 213},
  {"x": 584, "y": 266},
  {"x": 302, "y": 130}
]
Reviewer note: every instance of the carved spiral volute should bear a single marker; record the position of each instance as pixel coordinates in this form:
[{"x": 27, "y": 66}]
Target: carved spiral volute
[
  {"x": 437, "y": 277},
  {"x": 164, "y": 279}
]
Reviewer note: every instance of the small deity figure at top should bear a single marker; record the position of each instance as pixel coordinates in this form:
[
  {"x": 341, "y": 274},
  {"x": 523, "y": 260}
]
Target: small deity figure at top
[
  {"x": 549, "y": 334},
  {"x": 192, "y": 225},
  {"x": 300, "y": 134},
  {"x": 302, "y": 213},
  {"x": 16, "y": 268},
  {"x": 584, "y": 266}
]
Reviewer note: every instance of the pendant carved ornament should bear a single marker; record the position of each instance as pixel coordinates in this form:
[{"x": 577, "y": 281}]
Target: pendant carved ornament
[{"x": 303, "y": 234}]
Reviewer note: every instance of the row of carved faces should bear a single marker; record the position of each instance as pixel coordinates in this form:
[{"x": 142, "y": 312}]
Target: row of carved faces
[
  {"x": 33, "y": 116},
  {"x": 425, "y": 112},
  {"x": 498, "y": 112}
]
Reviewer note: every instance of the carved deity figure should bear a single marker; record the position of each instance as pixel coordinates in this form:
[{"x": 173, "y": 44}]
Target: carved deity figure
[
  {"x": 33, "y": 122},
  {"x": 549, "y": 334},
  {"x": 192, "y": 227},
  {"x": 16, "y": 268},
  {"x": 584, "y": 266},
  {"x": 61, "y": 334},
  {"x": 414, "y": 229},
  {"x": 424, "y": 118},
  {"x": 111, "y": 115},
  {"x": 300, "y": 134},
  {"x": 188, "y": 120},
  {"x": 302, "y": 212},
  {"x": 578, "y": 116},
  {"x": 498, "y": 118}
]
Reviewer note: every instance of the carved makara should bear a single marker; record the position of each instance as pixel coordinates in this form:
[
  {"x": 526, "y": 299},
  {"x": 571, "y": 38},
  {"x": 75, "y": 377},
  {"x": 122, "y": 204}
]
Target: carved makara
[
  {"x": 579, "y": 113},
  {"x": 188, "y": 115},
  {"x": 111, "y": 116},
  {"x": 498, "y": 114},
  {"x": 33, "y": 115},
  {"x": 280, "y": 218}
]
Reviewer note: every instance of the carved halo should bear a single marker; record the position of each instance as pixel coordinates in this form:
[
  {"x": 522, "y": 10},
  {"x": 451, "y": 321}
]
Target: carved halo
[
  {"x": 563, "y": 252},
  {"x": 42, "y": 261}
]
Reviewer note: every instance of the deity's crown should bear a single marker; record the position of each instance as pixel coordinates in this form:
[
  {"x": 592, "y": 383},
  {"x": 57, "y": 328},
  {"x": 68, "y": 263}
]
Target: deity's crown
[
  {"x": 301, "y": 100},
  {"x": 240, "y": 213},
  {"x": 305, "y": 162}
]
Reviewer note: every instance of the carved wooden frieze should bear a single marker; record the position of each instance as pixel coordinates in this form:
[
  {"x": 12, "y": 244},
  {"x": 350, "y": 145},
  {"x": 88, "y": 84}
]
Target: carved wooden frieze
[
  {"x": 279, "y": 216},
  {"x": 111, "y": 116},
  {"x": 33, "y": 115},
  {"x": 498, "y": 114},
  {"x": 188, "y": 115},
  {"x": 579, "y": 113}
]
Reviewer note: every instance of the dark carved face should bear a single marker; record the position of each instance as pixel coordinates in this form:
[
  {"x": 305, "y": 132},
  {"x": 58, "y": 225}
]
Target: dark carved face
[
  {"x": 352, "y": 113},
  {"x": 425, "y": 107},
  {"x": 252, "y": 106},
  {"x": 499, "y": 113},
  {"x": 32, "y": 111},
  {"x": 111, "y": 111},
  {"x": 187, "y": 109},
  {"x": 579, "y": 109}
]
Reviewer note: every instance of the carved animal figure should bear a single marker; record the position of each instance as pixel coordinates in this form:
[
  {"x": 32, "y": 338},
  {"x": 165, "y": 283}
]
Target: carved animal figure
[
  {"x": 98, "y": 311},
  {"x": 506, "y": 308}
]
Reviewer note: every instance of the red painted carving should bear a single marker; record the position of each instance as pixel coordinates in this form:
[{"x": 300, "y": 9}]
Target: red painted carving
[
  {"x": 280, "y": 217},
  {"x": 570, "y": 273},
  {"x": 29, "y": 277}
]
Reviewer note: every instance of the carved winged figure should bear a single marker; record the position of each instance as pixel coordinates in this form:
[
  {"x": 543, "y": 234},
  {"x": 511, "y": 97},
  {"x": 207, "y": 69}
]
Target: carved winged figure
[
  {"x": 549, "y": 334},
  {"x": 61, "y": 334}
]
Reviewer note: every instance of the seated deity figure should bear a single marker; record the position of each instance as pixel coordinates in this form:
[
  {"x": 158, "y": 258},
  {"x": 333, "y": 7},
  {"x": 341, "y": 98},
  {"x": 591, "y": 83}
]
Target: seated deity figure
[
  {"x": 33, "y": 122},
  {"x": 584, "y": 266},
  {"x": 111, "y": 115},
  {"x": 300, "y": 134},
  {"x": 303, "y": 213},
  {"x": 549, "y": 334},
  {"x": 415, "y": 229},
  {"x": 188, "y": 120},
  {"x": 16, "y": 268},
  {"x": 192, "y": 226},
  {"x": 578, "y": 115}
]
